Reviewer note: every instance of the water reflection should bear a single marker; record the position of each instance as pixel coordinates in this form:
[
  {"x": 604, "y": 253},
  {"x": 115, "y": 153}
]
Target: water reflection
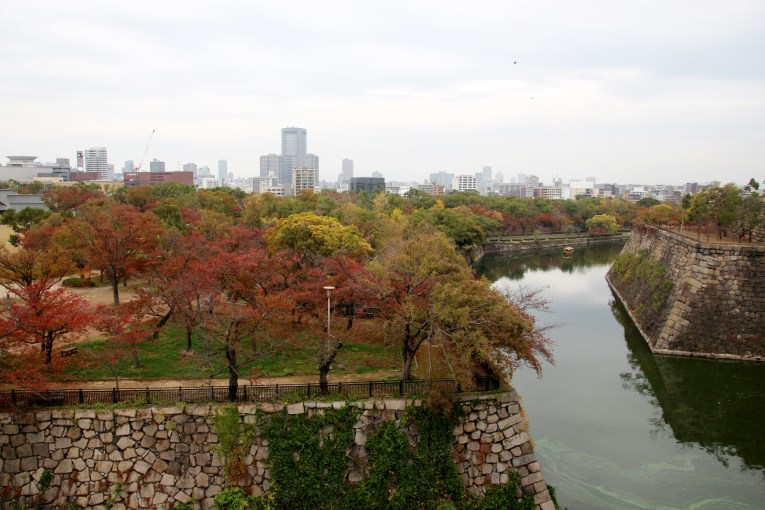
[
  {"x": 618, "y": 428},
  {"x": 715, "y": 404},
  {"x": 515, "y": 266}
]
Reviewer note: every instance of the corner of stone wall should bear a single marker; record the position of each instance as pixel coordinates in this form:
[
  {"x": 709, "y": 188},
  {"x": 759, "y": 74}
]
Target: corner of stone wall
[{"x": 491, "y": 441}]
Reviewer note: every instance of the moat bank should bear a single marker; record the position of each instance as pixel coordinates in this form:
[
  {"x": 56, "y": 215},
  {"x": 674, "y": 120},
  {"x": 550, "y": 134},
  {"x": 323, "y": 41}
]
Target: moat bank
[{"x": 693, "y": 298}]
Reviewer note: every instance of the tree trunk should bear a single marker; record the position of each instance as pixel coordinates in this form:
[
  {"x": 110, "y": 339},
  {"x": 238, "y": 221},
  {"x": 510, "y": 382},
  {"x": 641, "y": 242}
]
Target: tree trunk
[
  {"x": 48, "y": 349},
  {"x": 136, "y": 360},
  {"x": 189, "y": 331},
  {"x": 233, "y": 369},
  {"x": 325, "y": 364},
  {"x": 116, "y": 290},
  {"x": 407, "y": 374},
  {"x": 162, "y": 322}
]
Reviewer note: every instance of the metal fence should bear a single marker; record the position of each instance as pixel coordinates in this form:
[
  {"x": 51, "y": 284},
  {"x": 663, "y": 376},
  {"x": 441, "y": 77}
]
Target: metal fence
[{"x": 245, "y": 393}]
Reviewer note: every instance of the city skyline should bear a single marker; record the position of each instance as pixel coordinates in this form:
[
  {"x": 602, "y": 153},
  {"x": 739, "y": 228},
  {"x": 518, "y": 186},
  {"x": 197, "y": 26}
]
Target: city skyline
[{"x": 651, "y": 92}]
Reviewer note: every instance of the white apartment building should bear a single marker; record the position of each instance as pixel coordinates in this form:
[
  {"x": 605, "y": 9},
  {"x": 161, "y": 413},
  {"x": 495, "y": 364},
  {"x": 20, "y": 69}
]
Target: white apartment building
[
  {"x": 94, "y": 160},
  {"x": 303, "y": 178},
  {"x": 464, "y": 183}
]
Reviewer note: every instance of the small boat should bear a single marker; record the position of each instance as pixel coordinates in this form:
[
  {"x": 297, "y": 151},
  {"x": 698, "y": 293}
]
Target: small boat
[{"x": 568, "y": 250}]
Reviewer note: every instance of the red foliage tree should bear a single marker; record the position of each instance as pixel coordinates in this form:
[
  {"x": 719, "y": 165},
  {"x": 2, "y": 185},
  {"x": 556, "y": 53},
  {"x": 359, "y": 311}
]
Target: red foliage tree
[
  {"x": 120, "y": 240},
  {"x": 43, "y": 316}
]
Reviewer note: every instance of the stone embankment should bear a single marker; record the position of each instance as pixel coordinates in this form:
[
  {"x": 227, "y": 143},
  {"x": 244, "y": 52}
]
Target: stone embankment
[
  {"x": 716, "y": 307},
  {"x": 158, "y": 457}
]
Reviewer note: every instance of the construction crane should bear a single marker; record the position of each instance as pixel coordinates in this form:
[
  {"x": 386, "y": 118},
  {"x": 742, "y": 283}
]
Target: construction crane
[{"x": 145, "y": 151}]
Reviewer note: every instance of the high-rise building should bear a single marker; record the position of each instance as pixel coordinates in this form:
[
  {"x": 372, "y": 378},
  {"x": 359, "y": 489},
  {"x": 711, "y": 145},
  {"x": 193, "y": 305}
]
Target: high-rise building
[
  {"x": 222, "y": 170},
  {"x": 486, "y": 174},
  {"x": 80, "y": 159},
  {"x": 129, "y": 166},
  {"x": 191, "y": 167},
  {"x": 94, "y": 160},
  {"x": 442, "y": 178},
  {"x": 294, "y": 148},
  {"x": 312, "y": 161},
  {"x": 271, "y": 165},
  {"x": 347, "y": 170},
  {"x": 156, "y": 165},
  {"x": 368, "y": 184},
  {"x": 303, "y": 178}
]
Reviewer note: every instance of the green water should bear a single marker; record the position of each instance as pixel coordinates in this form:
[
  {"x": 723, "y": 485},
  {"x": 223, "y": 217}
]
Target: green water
[{"x": 616, "y": 427}]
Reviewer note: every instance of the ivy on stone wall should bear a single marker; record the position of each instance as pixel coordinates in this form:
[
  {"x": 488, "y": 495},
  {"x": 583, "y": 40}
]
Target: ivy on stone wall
[
  {"x": 308, "y": 457},
  {"x": 645, "y": 282},
  {"x": 309, "y": 460}
]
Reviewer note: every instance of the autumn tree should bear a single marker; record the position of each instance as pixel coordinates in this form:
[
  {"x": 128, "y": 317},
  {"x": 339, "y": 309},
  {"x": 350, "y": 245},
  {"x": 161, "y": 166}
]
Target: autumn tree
[
  {"x": 70, "y": 198},
  {"x": 408, "y": 274},
  {"x": 38, "y": 315},
  {"x": 329, "y": 254},
  {"x": 126, "y": 328},
  {"x": 485, "y": 330},
  {"x": 247, "y": 296},
  {"x": 119, "y": 240}
]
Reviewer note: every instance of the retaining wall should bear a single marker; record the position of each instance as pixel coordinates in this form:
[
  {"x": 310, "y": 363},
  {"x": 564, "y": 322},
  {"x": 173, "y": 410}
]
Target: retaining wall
[
  {"x": 717, "y": 304},
  {"x": 157, "y": 457}
]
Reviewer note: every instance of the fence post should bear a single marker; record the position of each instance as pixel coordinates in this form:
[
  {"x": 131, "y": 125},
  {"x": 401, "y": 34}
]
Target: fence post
[
  {"x": 148, "y": 398},
  {"x": 309, "y": 390},
  {"x": 400, "y": 387},
  {"x": 81, "y": 396},
  {"x": 180, "y": 394},
  {"x": 13, "y": 396},
  {"x": 340, "y": 387},
  {"x": 370, "y": 389},
  {"x": 277, "y": 393},
  {"x": 114, "y": 395}
]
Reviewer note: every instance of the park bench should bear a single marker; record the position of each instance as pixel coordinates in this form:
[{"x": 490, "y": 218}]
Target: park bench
[{"x": 69, "y": 351}]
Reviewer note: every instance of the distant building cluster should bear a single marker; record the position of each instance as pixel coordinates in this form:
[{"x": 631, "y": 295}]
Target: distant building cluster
[{"x": 295, "y": 170}]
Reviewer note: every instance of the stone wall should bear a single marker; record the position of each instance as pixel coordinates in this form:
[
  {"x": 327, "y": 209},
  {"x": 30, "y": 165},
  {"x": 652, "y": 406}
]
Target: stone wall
[
  {"x": 717, "y": 304},
  {"x": 157, "y": 457}
]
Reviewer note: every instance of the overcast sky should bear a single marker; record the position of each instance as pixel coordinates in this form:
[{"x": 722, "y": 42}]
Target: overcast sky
[{"x": 645, "y": 91}]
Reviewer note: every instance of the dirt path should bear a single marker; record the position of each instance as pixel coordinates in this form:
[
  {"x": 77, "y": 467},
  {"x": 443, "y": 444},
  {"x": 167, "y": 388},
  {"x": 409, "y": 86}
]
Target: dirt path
[{"x": 193, "y": 383}]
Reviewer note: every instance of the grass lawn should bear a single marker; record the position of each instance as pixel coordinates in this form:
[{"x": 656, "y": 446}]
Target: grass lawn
[{"x": 166, "y": 358}]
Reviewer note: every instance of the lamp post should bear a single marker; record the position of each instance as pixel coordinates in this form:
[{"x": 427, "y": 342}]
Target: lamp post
[{"x": 329, "y": 290}]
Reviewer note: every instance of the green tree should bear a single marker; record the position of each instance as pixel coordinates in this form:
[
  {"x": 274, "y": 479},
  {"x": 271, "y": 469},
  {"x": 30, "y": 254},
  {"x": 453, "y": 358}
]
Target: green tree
[
  {"x": 313, "y": 236},
  {"x": 602, "y": 223}
]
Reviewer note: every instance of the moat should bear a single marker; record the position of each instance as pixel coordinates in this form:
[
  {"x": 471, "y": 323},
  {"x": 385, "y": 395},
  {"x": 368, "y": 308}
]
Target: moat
[{"x": 616, "y": 427}]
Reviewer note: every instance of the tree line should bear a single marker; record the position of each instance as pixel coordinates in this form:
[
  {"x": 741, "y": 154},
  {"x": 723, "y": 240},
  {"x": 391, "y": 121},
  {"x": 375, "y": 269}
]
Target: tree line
[{"x": 247, "y": 274}]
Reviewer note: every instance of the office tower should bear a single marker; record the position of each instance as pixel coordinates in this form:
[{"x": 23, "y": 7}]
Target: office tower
[
  {"x": 294, "y": 148},
  {"x": 377, "y": 175},
  {"x": 191, "y": 167},
  {"x": 347, "y": 170},
  {"x": 486, "y": 174},
  {"x": 222, "y": 170},
  {"x": 94, "y": 160},
  {"x": 532, "y": 181},
  {"x": 204, "y": 171},
  {"x": 80, "y": 159},
  {"x": 271, "y": 165},
  {"x": 129, "y": 166},
  {"x": 368, "y": 184},
  {"x": 500, "y": 177},
  {"x": 521, "y": 178},
  {"x": 303, "y": 178},
  {"x": 442, "y": 178},
  {"x": 156, "y": 166},
  {"x": 312, "y": 161}
]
